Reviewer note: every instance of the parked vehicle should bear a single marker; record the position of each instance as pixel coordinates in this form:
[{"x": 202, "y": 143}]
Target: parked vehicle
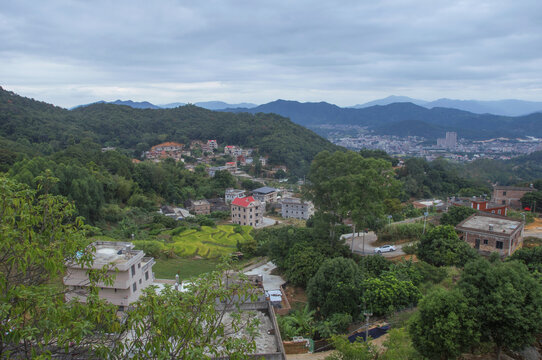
[{"x": 384, "y": 248}]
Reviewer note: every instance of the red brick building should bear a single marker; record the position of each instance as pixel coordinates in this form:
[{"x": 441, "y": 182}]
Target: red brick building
[{"x": 510, "y": 195}]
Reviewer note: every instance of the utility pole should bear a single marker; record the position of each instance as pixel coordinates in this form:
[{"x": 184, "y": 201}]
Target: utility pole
[
  {"x": 353, "y": 237},
  {"x": 367, "y": 314},
  {"x": 424, "y": 220}
]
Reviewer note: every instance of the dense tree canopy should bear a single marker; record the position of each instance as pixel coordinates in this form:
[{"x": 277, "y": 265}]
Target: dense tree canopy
[
  {"x": 441, "y": 246},
  {"x": 507, "y": 300}
]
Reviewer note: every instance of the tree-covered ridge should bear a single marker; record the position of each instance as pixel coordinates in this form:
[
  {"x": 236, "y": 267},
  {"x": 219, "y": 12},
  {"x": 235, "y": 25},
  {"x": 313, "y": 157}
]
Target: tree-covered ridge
[{"x": 31, "y": 122}]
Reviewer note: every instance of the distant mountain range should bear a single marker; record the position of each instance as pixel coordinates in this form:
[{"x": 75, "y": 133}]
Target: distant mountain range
[
  {"x": 209, "y": 105},
  {"x": 405, "y": 118},
  {"x": 496, "y": 107}
]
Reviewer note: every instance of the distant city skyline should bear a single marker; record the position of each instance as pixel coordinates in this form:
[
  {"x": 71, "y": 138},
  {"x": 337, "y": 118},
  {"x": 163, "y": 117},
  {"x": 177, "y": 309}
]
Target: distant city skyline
[{"x": 70, "y": 52}]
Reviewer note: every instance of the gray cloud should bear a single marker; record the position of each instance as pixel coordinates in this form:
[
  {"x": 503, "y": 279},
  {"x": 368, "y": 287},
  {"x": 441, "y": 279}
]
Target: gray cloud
[{"x": 72, "y": 52}]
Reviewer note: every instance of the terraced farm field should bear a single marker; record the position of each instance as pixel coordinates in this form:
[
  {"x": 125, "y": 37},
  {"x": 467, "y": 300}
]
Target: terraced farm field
[{"x": 209, "y": 243}]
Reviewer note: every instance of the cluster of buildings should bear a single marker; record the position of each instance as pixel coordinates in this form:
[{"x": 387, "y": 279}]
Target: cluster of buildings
[
  {"x": 249, "y": 210},
  {"x": 490, "y": 230},
  {"x": 449, "y": 147}
]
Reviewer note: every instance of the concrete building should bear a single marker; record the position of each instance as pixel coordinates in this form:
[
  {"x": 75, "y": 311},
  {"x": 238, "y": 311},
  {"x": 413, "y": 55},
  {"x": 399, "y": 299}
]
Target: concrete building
[
  {"x": 247, "y": 211},
  {"x": 131, "y": 270},
  {"x": 510, "y": 195},
  {"x": 232, "y": 194},
  {"x": 449, "y": 142},
  {"x": 489, "y": 233},
  {"x": 212, "y": 144},
  {"x": 265, "y": 194},
  {"x": 200, "y": 207},
  {"x": 296, "y": 208}
]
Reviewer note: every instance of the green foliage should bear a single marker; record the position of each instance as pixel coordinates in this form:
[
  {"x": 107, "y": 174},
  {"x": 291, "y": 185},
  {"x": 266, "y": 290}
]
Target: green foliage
[
  {"x": 302, "y": 262},
  {"x": 150, "y": 247},
  {"x": 39, "y": 233},
  {"x": 410, "y": 249},
  {"x": 347, "y": 185},
  {"x": 423, "y": 179},
  {"x": 299, "y": 323},
  {"x": 507, "y": 300},
  {"x": 398, "y": 346},
  {"x": 442, "y": 247},
  {"x": 335, "y": 287},
  {"x": 167, "y": 325},
  {"x": 386, "y": 294},
  {"x": 375, "y": 265},
  {"x": 520, "y": 216},
  {"x": 456, "y": 214},
  {"x": 358, "y": 350},
  {"x": 444, "y": 326},
  {"x": 532, "y": 257},
  {"x": 400, "y": 232},
  {"x": 333, "y": 325}
]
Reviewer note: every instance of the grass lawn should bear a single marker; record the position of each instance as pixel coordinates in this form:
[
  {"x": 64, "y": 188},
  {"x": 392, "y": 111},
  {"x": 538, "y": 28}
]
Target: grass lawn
[{"x": 186, "y": 268}]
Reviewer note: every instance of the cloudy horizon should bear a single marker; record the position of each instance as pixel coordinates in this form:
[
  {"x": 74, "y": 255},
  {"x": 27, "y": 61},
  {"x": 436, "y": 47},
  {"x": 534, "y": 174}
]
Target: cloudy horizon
[{"x": 76, "y": 52}]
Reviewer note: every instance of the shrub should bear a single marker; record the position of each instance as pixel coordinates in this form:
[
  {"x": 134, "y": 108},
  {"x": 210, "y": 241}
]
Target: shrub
[
  {"x": 150, "y": 247},
  {"x": 397, "y": 232}
]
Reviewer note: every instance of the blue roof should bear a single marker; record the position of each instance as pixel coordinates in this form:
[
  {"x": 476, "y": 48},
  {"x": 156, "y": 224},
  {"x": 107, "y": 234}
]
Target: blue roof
[{"x": 264, "y": 190}]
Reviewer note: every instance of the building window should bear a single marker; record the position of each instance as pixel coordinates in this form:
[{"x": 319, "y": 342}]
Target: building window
[
  {"x": 121, "y": 308},
  {"x": 140, "y": 280},
  {"x": 146, "y": 275},
  {"x": 504, "y": 202},
  {"x": 504, "y": 193},
  {"x": 134, "y": 287},
  {"x": 486, "y": 241},
  {"x": 139, "y": 266},
  {"x": 133, "y": 270},
  {"x": 499, "y": 244}
]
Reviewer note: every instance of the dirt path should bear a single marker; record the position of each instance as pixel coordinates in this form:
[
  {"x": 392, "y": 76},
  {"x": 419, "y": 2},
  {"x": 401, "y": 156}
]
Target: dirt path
[{"x": 315, "y": 356}]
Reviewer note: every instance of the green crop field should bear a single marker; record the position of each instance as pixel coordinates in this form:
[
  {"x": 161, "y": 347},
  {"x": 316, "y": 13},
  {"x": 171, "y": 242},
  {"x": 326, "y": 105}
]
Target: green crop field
[{"x": 209, "y": 243}]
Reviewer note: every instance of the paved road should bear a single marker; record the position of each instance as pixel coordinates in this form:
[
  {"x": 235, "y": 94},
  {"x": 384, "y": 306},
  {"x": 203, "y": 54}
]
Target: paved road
[{"x": 368, "y": 249}]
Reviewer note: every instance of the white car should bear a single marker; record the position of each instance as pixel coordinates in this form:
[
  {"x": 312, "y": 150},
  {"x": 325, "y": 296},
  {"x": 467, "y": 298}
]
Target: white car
[{"x": 384, "y": 248}]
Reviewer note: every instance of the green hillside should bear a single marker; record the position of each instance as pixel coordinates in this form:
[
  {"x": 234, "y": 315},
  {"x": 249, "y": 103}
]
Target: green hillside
[{"x": 47, "y": 128}]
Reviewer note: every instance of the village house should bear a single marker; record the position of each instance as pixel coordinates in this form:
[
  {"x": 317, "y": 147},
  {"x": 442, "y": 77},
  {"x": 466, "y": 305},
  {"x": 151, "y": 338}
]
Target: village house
[
  {"x": 212, "y": 144},
  {"x": 165, "y": 150},
  {"x": 510, "y": 195},
  {"x": 479, "y": 204},
  {"x": 200, "y": 207},
  {"x": 231, "y": 194},
  {"x": 247, "y": 211},
  {"x": 131, "y": 270},
  {"x": 296, "y": 208},
  {"x": 230, "y": 150},
  {"x": 489, "y": 233},
  {"x": 265, "y": 194}
]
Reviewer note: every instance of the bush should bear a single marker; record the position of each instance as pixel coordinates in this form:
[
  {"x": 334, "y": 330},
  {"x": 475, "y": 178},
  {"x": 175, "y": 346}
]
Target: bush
[
  {"x": 178, "y": 230},
  {"x": 150, "y": 247},
  {"x": 456, "y": 214},
  {"x": 410, "y": 249},
  {"x": 397, "y": 232},
  {"x": 141, "y": 201},
  {"x": 112, "y": 212}
]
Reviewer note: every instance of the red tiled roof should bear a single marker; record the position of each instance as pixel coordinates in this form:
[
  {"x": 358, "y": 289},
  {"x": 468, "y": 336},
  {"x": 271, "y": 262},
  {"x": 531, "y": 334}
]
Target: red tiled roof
[{"x": 244, "y": 202}]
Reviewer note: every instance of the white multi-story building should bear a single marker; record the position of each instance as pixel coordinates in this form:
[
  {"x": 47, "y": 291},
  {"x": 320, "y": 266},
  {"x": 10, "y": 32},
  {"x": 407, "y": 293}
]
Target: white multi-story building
[
  {"x": 231, "y": 194},
  {"x": 131, "y": 270},
  {"x": 297, "y": 208},
  {"x": 247, "y": 211}
]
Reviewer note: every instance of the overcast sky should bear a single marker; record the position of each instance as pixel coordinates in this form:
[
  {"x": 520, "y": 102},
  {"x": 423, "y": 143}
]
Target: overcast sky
[{"x": 346, "y": 52}]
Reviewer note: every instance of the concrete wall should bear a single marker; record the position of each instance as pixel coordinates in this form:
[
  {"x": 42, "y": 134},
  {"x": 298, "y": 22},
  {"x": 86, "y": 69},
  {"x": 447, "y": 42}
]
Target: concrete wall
[{"x": 508, "y": 197}]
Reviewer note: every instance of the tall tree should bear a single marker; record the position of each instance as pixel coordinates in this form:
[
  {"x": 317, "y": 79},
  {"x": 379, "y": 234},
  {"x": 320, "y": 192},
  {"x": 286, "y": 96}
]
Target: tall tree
[
  {"x": 344, "y": 184},
  {"x": 445, "y": 325},
  {"x": 507, "y": 299}
]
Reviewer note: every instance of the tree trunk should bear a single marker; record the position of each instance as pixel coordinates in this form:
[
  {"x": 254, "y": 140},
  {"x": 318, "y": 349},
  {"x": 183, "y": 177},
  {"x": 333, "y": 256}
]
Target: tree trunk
[{"x": 499, "y": 348}]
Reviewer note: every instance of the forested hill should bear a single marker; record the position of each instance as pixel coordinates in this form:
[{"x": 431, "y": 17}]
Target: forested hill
[
  {"x": 403, "y": 118},
  {"x": 32, "y": 124}
]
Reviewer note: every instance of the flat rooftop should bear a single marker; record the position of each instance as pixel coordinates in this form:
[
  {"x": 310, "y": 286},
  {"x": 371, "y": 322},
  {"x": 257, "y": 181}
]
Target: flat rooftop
[
  {"x": 499, "y": 225},
  {"x": 115, "y": 253}
]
